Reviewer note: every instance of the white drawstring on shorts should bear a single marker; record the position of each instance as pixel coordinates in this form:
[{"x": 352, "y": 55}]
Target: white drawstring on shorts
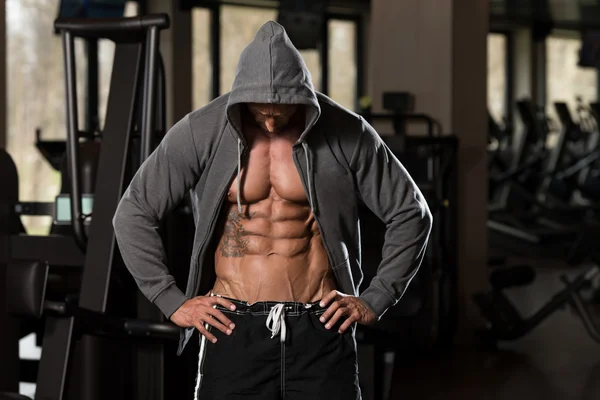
[{"x": 276, "y": 321}]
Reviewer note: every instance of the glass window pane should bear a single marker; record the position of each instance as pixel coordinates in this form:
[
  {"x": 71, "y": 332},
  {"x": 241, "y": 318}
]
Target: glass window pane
[
  {"x": 496, "y": 78},
  {"x": 106, "y": 54},
  {"x": 238, "y": 27},
  {"x": 342, "y": 62},
  {"x": 565, "y": 80},
  {"x": 312, "y": 59},
  {"x": 202, "y": 66},
  {"x": 35, "y": 99},
  {"x": 36, "y": 95}
]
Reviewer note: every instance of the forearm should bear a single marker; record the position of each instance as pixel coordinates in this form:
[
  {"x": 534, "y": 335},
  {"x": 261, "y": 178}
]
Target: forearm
[
  {"x": 389, "y": 191},
  {"x": 402, "y": 254},
  {"x": 144, "y": 256},
  {"x": 156, "y": 189}
]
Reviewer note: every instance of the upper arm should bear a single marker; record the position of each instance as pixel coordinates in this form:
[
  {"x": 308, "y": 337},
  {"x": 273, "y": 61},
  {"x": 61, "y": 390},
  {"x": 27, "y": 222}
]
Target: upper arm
[
  {"x": 383, "y": 183},
  {"x": 168, "y": 174},
  {"x": 389, "y": 191}
]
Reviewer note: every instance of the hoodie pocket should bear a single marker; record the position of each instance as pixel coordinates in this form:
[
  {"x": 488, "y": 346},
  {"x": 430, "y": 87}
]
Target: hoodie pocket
[
  {"x": 342, "y": 265},
  {"x": 343, "y": 274}
]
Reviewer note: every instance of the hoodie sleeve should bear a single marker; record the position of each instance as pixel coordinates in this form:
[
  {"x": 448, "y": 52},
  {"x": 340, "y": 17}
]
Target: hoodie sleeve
[
  {"x": 390, "y": 193},
  {"x": 158, "y": 186}
]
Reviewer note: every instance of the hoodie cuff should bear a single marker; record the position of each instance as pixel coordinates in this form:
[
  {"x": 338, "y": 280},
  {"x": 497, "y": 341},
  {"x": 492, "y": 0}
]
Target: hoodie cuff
[
  {"x": 377, "y": 300},
  {"x": 169, "y": 300}
]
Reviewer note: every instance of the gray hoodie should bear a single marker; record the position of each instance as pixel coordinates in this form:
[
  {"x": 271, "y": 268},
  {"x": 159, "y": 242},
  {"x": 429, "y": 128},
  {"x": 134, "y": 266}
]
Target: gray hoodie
[{"x": 341, "y": 160}]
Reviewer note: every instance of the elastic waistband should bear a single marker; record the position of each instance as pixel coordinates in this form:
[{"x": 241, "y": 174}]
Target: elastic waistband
[{"x": 292, "y": 308}]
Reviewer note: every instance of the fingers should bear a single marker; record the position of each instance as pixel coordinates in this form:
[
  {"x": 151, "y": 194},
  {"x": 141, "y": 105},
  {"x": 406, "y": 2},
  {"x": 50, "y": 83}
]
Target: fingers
[
  {"x": 215, "y": 313},
  {"x": 222, "y": 302},
  {"x": 330, "y": 311},
  {"x": 206, "y": 313},
  {"x": 328, "y": 298},
  {"x": 203, "y": 331},
  {"x": 217, "y": 319},
  {"x": 343, "y": 308},
  {"x": 352, "y": 318},
  {"x": 338, "y": 314},
  {"x": 332, "y": 308}
]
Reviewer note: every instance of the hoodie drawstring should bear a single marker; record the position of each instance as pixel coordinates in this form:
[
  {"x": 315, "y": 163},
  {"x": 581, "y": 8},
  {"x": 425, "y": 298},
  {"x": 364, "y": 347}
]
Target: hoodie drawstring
[
  {"x": 309, "y": 173},
  {"x": 239, "y": 174}
]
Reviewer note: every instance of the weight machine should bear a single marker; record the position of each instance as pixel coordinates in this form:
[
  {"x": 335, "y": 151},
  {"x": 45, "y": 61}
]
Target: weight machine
[
  {"x": 100, "y": 338},
  {"x": 504, "y": 320}
]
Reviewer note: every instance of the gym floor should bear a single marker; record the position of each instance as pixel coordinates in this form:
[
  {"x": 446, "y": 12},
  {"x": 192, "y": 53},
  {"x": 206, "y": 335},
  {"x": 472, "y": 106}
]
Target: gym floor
[{"x": 556, "y": 361}]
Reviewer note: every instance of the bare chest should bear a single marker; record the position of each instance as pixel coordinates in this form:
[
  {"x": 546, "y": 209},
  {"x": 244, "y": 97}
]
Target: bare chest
[{"x": 269, "y": 171}]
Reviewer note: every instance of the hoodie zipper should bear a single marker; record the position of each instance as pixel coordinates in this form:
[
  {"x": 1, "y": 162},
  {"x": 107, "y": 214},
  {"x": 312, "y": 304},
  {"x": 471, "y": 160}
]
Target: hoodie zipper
[
  {"x": 315, "y": 215},
  {"x": 222, "y": 196},
  {"x": 331, "y": 260}
]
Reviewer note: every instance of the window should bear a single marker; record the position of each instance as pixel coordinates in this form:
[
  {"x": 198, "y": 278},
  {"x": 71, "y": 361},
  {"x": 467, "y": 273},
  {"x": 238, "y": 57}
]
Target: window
[
  {"x": 35, "y": 98},
  {"x": 202, "y": 65},
  {"x": 36, "y": 95},
  {"x": 565, "y": 80},
  {"x": 312, "y": 59},
  {"x": 106, "y": 54},
  {"x": 496, "y": 78},
  {"x": 342, "y": 62},
  {"x": 238, "y": 27}
]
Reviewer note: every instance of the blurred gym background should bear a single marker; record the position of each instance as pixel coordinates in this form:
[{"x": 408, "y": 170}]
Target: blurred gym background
[{"x": 491, "y": 104}]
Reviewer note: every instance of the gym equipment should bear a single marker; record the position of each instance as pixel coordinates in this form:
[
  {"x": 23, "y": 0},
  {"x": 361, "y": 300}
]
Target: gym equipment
[
  {"x": 578, "y": 181},
  {"x": 430, "y": 300},
  {"x": 104, "y": 321},
  {"x": 499, "y": 155},
  {"x": 12, "y": 396},
  {"x": 91, "y": 8},
  {"x": 526, "y": 160},
  {"x": 561, "y": 183},
  {"x": 426, "y": 315},
  {"x": 519, "y": 211},
  {"x": 554, "y": 175},
  {"x": 401, "y": 106},
  {"x": 506, "y": 323},
  {"x": 425, "y": 319},
  {"x": 9, "y": 332}
]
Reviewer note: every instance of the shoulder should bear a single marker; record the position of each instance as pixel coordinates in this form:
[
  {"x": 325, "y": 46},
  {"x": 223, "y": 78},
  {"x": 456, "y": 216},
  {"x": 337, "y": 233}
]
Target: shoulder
[
  {"x": 205, "y": 126},
  {"x": 339, "y": 120},
  {"x": 340, "y": 124},
  {"x": 209, "y": 117},
  {"x": 330, "y": 109}
]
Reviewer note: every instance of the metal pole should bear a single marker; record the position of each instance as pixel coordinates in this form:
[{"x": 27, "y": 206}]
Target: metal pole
[
  {"x": 215, "y": 49},
  {"x": 324, "y": 55},
  {"x": 149, "y": 98},
  {"x": 73, "y": 139},
  {"x": 91, "y": 115}
]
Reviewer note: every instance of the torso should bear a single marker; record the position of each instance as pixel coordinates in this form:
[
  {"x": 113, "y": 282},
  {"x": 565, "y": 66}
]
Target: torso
[{"x": 272, "y": 250}]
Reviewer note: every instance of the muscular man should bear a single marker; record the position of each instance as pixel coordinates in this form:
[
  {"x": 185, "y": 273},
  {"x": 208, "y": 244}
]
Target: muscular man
[
  {"x": 276, "y": 172},
  {"x": 272, "y": 248}
]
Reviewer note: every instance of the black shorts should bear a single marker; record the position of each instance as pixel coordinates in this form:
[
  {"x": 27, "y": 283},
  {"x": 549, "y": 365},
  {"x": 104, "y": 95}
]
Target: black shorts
[{"x": 303, "y": 361}]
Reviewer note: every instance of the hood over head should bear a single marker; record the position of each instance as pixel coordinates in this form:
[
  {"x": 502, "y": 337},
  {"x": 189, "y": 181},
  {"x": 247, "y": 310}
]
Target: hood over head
[{"x": 271, "y": 71}]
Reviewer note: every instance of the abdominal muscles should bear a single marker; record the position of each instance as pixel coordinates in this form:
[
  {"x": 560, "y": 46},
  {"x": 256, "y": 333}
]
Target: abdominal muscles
[{"x": 271, "y": 251}]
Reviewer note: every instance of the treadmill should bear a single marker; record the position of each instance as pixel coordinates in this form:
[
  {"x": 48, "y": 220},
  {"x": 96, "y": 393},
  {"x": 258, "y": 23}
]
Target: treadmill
[{"x": 519, "y": 213}]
